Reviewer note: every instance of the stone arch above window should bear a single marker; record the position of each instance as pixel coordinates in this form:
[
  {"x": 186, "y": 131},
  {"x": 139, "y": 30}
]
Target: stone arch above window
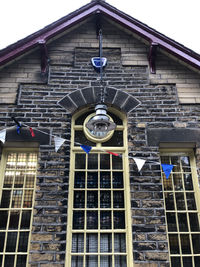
[{"x": 91, "y": 95}]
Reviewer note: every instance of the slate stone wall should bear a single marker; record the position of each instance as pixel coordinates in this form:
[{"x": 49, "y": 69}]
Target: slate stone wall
[{"x": 36, "y": 105}]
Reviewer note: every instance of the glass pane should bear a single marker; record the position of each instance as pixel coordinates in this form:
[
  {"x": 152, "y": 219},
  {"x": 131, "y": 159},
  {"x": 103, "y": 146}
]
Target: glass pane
[
  {"x": 30, "y": 178},
  {"x": 120, "y": 242},
  {"x": 119, "y": 219},
  {"x": 9, "y": 260},
  {"x": 1, "y": 259},
  {"x": 196, "y": 243},
  {"x": 120, "y": 261},
  {"x": 11, "y": 161},
  {"x": 2, "y": 239},
  {"x": 91, "y": 261},
  {"x": 191, "y": 201},
  {"x": 14, "y": 220},
  {"x": 21, "y": 261},
  {"x": 93, "y": 161},
  {"x": 79, "y": 199},
  {"x": 180, "y": 202},
  {"x": 77, "y": 243},
  {"x": 106, "y": 243},
  {"x": 3, "y": 219},
  {"x": 188, "y": 181},
  {"x": 105, "y": 261},
  {"x": 80, "y": 161},
  {"x": 11, "y": 241},
  {"x": 32, "y": 161},
  {"x": 171, "y": 221},
  {"x": 92, "y": 243},
  {"x": 187, "y": 262},
  {"x": 177, "y": 178},
  {"x": 92, "y": 199},
  {"x": 8, "y": 179},
  {"x": 104, "y": 161},
  {"x": 174, "y": 245},
  {"x": 118, "y": 199},
  {"x": 117, "y": 163},
  {"x": 105, "y": 220},
  {"x": 169, "y": 201},
  {"x": 182, "y": 219},
  {"x": 92, "y": 180},
  {"x": 19, "y": 179},
  {"x": 92, "y": 220},
  {"x": 115, "y": 140},
  {"x": 21, "y": 160},
  {"x": 197, "y": 261},
  {"x": 79, "y": 180},
  {"x": 105, "y": 199},
  {"x": 77, "y": 261},
  {"x": 175, "y": 261},
  {"x": 167, "y": 183},
  {"x": 17, "y": 198},
  {"x": 185, "y": 161},
  {"x": 105, "y": 179},
  {"x": 28, "y": 196},
  {"x": 81, "y": 138},
  {"x": 5, "y": 199},
  {"x": 26, "y": 218},
  {"x": 23, "y": 241},
  {"x": 194, "y": 222},
  {"x": 118, "y": 180},
  {"x": 165, "y": 159},
  {"x": 185, "y": 244},
  {"x": 78, "y": 220},
  {"x": 175, "y": 160}
]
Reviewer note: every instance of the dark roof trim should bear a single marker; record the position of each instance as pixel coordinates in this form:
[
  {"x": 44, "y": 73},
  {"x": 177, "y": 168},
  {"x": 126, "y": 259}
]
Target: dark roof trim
[{"x": 169, "y": 45}]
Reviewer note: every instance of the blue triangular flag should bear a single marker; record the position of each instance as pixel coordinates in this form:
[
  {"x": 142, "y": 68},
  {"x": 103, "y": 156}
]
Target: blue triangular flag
[
  {"x": 86, "y": 148},
  {"x": 18, "y": 129},
  {"x": 167, "y": 168}
]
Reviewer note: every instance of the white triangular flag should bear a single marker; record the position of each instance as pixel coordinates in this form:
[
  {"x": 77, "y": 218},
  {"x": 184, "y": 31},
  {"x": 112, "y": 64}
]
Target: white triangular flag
[
  {"x": 3, "y": 136},
  {"x": 58, "y": 142},
  {"x": 139, "y": 162}
]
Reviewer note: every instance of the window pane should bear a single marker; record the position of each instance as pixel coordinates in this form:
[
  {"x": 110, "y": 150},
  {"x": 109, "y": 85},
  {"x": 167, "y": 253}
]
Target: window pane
[
  {"x": 187, "y": 262},
  {"x": 171, "y": 221},
  {"x": 105, "y": 199},
  {"x": 180, "y": 202},
  {"x": 118, "y": 199},
  {"x": 11, "y": 242},
  {"x": 120, "y": 261},
  {"x": 177, "y": 178},
  {"x": 30, "y": 178},
  {"x": 92, "y": 180},
  {"x": 105, "y": 220},
  {"x": 191, "y": 204},
  {"x": 118, "y": 180},
  {"x": 105, "y": 179},
  {"x": 81, "y": 138},
  {"x": 175, "y": 160},
  {"x": 185, "y": 161},
  {"x": 77, "y": 243},
  {"x": 21, "y": 261},
  {"x": 23, "y": 241},
  {"x": 28, "y": 197},
  {"x": 3, "y": 219},
  {"x": 197, "y": 261},
  {"x": 93, "y": 161},
  {"x": 175, "y": 261},
  {"x": 115, "y": 140},
  {"x": 14, "y": 220},
  {"x": 78, "y": 220},
  {"x": 8, "y": 179},
  {"x": 119, "y": 219},
  {"x": 5, "y": 199},
  {"x": 104, "y": 161},
  {"x": 2, "y": 239},
  {"x": 17, "y": 199},
  {"x": 117, "y": 163},
  {"x": 196, "y": 243},
  {"x": 167, "y": 183},
  {"x": 185, "y": 244},
  {"x": 92, "y": 243},
  {"x": 77, "y": 261},
  {"x": 26, "y": 218},
  {"x": 79, "y": 199},
  {"x": 80, "y": 161},
  {"x": 105, "y": 261},
  {"x": 188, "y": 181},
  {"x": 91, "y": 261},
  {"x": 92, "y": 199},
  {"x": 79, "y": 180},
  {"x": 183, "y": 225},
  {"x": 9, "y": 260},
  {"x": 194, "y": 222},
  {"x": 106, "y": 243},
  {"x": 174, "y": 245},
  {"x": 169, "y": 201},
  {"x": 19, "y": 179},
  {"x": 120, "y": 242},
  {"x": 92, "y": 219}
]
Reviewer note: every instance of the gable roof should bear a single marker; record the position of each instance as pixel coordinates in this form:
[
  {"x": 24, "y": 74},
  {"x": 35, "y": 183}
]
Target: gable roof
[{"x": 99, "y": 6}]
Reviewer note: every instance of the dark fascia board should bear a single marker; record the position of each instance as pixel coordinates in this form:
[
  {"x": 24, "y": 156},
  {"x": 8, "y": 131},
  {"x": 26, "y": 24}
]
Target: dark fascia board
[{"x": 141, "y": 29}]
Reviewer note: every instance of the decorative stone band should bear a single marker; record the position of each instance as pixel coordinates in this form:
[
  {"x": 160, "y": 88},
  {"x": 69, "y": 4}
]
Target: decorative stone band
[{"x": 91, "y": 95}]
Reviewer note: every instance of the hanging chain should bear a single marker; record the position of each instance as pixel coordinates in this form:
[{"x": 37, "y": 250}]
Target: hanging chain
[{"x": 101, "y": 68}]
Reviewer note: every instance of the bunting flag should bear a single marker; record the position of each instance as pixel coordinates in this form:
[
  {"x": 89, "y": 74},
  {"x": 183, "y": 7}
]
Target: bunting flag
[
  {"x": 18, "y": 129},
  {"x": 112, "y": 153},
  {"x": 58, "y": 142},
  {"x": 139, "y": 162},
  {"x": 86, "y": 148},
  {"x": 3, "y": 136},
  {"x": 167, "y": 168},
  {"x": 32, "y": 132}
]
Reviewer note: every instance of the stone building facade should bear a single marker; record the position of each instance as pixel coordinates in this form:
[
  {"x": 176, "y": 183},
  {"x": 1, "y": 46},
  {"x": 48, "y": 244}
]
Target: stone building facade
[{"x": 47, "y": 79}]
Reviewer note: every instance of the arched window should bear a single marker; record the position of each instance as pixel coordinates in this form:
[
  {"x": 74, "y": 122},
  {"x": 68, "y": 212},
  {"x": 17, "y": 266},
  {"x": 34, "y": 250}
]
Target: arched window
[{"x": 99, "y": 221}]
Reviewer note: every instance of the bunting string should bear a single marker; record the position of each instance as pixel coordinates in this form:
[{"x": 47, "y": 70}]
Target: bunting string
[{"x": 58, "y": 141}]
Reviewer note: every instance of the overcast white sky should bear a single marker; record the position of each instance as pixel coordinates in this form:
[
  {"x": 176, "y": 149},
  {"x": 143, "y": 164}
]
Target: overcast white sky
[{"x": 177, "y": 19}]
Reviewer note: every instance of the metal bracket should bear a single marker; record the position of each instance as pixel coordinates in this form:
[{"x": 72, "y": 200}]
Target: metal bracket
[
  {"x": 152, "y": 57},
  {"x": 44, "y": 57}
]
